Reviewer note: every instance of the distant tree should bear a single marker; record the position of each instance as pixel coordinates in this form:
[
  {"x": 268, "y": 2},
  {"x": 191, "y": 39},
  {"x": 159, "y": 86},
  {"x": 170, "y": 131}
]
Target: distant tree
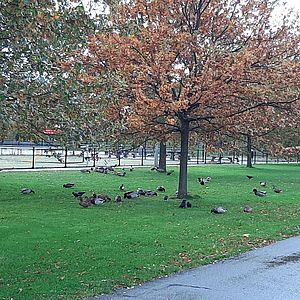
[
  {"x": 259, "y": 129},
  {"x": 36, "y": 92}
]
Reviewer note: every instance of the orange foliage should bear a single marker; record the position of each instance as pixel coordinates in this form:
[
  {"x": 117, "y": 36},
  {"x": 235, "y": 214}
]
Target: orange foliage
[{"x": 212, "y": 64}]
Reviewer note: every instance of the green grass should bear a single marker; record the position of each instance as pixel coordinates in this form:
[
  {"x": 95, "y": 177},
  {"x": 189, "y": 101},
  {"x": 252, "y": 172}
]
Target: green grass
[{"x": 51, "y": 248}]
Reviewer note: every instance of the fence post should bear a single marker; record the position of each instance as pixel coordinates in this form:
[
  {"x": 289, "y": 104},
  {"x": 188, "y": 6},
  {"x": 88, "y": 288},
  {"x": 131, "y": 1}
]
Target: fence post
[
  {"x": 33, "y": 153},
  {"x": 267, "y": 157},
  {"x": 142, "y": 162},
  {"x": 145, "y": 149},
  {"x": 205, "y": 153},
  {"x": 198, "y": 154},
  {"x": 242, "y": 159},
  {"x": 66, "y": 156},
  {"x": 94, "y": 158}
]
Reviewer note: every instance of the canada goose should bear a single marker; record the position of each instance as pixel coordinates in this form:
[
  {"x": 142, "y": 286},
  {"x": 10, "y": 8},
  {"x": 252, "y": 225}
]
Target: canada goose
[
  {"x": 97, "y": 201},
  {"x": 249, "y": 177},
  {"x": 277, "y": 190},
  {"x": 128, "y": 193},
  {"x": 100, "y": 169},
  {"x": 78, "y": 194},
  {"x": 131, "y": 195},
  {"x": 183, "y": 204},
  {"x": 263, "y": 183},
  {"x": 85, "y": 203},
  {"x": 189, "y": 204},
  {"x": 68, "y": 185},
  {"x": 170, "y": 172},
  {"x": 27, "y": 191},
  {"x": 218, "y": 210},
  {"x": 141, "y": 192},
  {"x": 202, "y": 181},
  {"x": 85, "y": 171},
  {"x": 121, "y": 187},
  {"x": 161, "y": 189},
  {"x": 122, "y": 174},
  {"x": 118, "y": 198},
  {"x": 150, "y": 193},
  {"x": 248, "y": 209},
  {"x": 131, "y": 168},
  {"x": 166, "y": 198},
  {"x": 104, "y": 197},
  {"x": 259, "y": 193}
]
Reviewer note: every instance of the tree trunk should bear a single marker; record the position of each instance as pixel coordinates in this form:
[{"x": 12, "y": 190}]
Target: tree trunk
[
  {"x": 184, "y": 135},
  {"x": 249, "y": 152},
  {"x": 162, "y": 156}
]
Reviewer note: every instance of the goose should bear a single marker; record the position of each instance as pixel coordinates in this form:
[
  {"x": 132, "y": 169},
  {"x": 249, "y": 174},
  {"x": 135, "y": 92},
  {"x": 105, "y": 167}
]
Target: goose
[
  {"x": 85, "y": 171},
  {"x": 248, "y": 209},
  {"x": 259, "y": 193},
  {"x": 27, "y": 191},
  {"x": 97, "y": 201},
  {"x": 166, "y": 198},
  {"x": 263, "y": 183},
  {"x": 121, "y": 187},
  {"x": 277, "y": 190},
  {"x": 131, "y": 195},
  {"x": 104, "y": 197},
  {"x": 182, "y": 204},
  {"x": 68, "y": 185},
  {"x": 189, "y": 204},
  {"x": 85, "y": 203},
  {"x": 218, "y": 210},
  {"x": 141, "y": 192},
  {"x": 249, "y": 177},
  {"x": 118, "y": 199},
  {"x": 170, "y": 172},
  {"x": 202, "y": 181},
  {"x": 100, "y": 169},
  {"x": 78, "y": 194},
  {"x": 151, "y": 193},
  {"x": 160, "y": 189},
  {"x": 131, "y": 168},
  {"x": 122, "y": 174}
]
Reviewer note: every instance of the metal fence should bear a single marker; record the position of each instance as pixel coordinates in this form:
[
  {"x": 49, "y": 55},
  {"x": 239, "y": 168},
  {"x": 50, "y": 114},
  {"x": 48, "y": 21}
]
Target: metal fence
[{"x": 37, "y": 157}]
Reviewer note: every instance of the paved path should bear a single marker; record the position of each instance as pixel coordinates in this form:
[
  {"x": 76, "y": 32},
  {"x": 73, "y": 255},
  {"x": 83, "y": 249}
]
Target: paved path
[{"x": 269, "y": 273}]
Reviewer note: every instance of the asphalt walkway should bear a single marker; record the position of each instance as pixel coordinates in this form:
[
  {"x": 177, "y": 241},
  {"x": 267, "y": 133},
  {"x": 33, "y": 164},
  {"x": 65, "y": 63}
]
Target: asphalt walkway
[{"x": 269, "y": 273}]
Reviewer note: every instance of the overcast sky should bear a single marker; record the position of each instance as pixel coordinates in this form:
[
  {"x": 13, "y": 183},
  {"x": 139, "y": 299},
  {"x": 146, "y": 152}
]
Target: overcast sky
[
  {"x": 290, "y": 3},
  {"x": 294, "y": 3}
]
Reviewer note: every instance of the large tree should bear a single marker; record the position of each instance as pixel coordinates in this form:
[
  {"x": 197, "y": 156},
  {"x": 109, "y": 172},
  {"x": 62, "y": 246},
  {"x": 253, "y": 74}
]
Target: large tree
[{"x": 193, "y": 65}]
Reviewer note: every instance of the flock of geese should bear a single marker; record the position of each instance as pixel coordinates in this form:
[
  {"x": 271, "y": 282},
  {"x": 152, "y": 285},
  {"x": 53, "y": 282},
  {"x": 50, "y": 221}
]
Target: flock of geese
[
  {"x": 247, "y": 208},
  {"x": 99, "y": 199}
]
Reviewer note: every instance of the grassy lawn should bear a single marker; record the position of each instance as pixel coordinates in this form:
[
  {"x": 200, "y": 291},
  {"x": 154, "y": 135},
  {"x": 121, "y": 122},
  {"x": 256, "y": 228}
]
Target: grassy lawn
[{"x": 52, "y": 248}]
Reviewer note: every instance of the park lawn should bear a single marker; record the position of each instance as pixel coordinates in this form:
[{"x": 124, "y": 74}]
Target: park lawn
[{"x": 52, "y": 248}]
